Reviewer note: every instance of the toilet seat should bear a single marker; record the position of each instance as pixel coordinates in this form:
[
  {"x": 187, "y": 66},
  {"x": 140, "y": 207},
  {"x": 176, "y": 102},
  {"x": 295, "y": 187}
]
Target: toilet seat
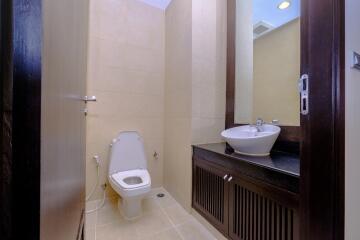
[
  {"x": 125, "y": 190},
  {"x": 119, "y": 177}
]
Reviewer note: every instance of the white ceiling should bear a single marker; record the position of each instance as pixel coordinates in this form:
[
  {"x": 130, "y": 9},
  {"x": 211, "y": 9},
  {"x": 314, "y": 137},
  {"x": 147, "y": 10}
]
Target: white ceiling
[
  {"x": 157, "y": 3},
  {"x": 268, "y": 11}
]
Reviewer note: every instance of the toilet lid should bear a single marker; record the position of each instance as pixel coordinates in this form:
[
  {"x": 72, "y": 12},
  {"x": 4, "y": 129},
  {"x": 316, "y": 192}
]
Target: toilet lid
[{"x": 127, "y": 153}]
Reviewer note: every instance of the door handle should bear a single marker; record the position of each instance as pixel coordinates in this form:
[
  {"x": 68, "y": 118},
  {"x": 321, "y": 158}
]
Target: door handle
[
  {"x": 225, "y": 177},
  {"x": 230, "y": 178},
  {"x": 89, "y": 99}
]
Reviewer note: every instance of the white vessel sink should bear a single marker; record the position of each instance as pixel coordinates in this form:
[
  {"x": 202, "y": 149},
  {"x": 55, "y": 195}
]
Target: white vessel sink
[{"x": 251, "y": 140}]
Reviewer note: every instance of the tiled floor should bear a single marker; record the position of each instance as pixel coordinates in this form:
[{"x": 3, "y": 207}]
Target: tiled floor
[{"x": 163, "y": 219}]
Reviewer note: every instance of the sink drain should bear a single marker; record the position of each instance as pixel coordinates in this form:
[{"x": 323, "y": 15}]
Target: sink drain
[{"x": 160, "y": 195}]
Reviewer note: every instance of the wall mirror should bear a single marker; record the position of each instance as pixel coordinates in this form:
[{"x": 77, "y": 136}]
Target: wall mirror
[{"x": 267, "y": 61}]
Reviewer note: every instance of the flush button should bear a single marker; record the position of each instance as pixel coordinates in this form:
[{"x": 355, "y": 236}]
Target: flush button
[{"x": 356, "y": 61}]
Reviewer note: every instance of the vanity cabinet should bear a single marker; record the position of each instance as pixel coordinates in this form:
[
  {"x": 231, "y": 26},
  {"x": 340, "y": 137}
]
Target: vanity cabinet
[
  {"x": 259, "y": 211},
  {"x": 211, "y": 193},
  {"x": 240, "y": 205}
]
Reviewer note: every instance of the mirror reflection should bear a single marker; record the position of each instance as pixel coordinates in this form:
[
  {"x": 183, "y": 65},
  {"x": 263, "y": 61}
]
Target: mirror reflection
[{"x": 267, "y": 61}]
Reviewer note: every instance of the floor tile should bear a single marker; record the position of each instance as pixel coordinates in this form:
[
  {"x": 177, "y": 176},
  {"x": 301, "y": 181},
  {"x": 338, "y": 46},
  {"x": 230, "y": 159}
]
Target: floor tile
[
  {"x": 166, "y": 201},
  {"x": 108, "y": 214},
  {"x": 170, "y": 234},
  {"x": 90, "y": 205},
  {"x": 193, "y": 230},
  {"x": 117, "y": 231},
  {"x": 153, "y": 192},
  {"x": 218, "y": 235},
  {"x": 177, "y": 214},
  {"x": 152, "y": 223},
  {"x": 162, "y": 219},
  {"x": 150, "y": 204},
  {"x": 90, "y": 220},
  {"x": 90, "y": 233}
]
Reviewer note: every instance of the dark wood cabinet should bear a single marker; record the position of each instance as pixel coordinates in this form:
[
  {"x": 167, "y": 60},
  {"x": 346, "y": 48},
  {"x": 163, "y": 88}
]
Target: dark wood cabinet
[
  {"x": 261, "y": 212},
  {"x": 242, "y": 206},
  {"x": 210, "y": 193}
]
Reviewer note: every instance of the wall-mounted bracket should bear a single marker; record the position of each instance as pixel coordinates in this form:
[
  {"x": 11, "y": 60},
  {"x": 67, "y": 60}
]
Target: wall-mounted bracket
[
  {"x": 356, "y": 61},
  {"x": 304, "y": 94}
]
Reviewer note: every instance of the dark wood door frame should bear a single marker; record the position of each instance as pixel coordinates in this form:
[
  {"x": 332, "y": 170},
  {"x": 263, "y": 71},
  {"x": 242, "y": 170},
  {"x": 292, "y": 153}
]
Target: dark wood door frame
[
  {"x": 21, "y": 27},
  {"x": 5, "y": 117},
  {"x": 322, "y": 132}
]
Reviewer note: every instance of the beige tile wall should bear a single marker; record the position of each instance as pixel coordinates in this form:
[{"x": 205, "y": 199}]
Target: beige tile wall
[
  {"x": 177, "y": 141},
  {"x": 161, "y": 73},
  {"x": 209, "y": 70},
  {"x": 126, "y": 73},
  {"x": 194, "y": 86}
]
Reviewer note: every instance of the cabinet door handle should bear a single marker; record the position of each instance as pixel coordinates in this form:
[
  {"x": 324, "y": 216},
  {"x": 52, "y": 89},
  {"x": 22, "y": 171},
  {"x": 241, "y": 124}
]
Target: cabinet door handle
[
  {"x": 230, "y": 178},
  {"x": 225, "y": 177}
]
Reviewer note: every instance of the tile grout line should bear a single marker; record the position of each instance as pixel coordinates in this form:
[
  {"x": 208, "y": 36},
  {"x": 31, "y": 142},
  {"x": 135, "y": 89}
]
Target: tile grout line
[
  {"x": 176, "y": 226},
  {"x": 95, "y": 224},
  {"x": 160, "y": 208},
  {"x": 164, "y": 212},
  {"x": 158, "y": 204},
  {"x": 172, "y": 223}
]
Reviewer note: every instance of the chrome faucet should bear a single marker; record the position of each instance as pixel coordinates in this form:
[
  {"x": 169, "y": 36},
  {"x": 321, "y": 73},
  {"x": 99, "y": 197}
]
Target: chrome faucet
[{"x": 259, "y": 124}]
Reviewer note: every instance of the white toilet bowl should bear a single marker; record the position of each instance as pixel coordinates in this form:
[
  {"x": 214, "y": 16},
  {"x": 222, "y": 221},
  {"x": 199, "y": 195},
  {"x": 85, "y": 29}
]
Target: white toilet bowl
[{"x": 128, "y": 175}]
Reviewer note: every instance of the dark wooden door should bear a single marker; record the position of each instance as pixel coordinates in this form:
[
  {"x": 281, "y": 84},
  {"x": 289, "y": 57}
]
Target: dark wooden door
[
  {"x": 261, "y": 212},
  {"x": 323, "y": 129},
  {"x": 63, "y": 119},
  {"x": 210, "y": 193}
]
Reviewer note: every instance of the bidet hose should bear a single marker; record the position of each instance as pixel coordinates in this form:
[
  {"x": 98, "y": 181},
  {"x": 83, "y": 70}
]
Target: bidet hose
[
  {"x": 95, "y": 187},
  {"x": 96, "y": 184},
  {"x": 102, "y": 202}
]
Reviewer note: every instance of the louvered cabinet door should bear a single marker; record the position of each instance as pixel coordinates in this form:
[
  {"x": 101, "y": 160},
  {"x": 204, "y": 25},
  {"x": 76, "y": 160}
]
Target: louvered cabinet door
[
  {"x": 210, "y": 193},
  {"x": 255, "y": 215}
]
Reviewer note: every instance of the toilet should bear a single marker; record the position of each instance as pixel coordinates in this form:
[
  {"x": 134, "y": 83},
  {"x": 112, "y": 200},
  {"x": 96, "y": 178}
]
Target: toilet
[{"x": 128, "y": 174}]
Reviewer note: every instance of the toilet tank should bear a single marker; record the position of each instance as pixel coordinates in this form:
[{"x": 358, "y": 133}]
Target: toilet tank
[{"x": 127, "y": 153}]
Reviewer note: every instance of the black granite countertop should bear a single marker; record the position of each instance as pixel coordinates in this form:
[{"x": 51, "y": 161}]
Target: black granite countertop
[
  {"x": 286, "y": 163},
  {"x": 280, "y": 168}
]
